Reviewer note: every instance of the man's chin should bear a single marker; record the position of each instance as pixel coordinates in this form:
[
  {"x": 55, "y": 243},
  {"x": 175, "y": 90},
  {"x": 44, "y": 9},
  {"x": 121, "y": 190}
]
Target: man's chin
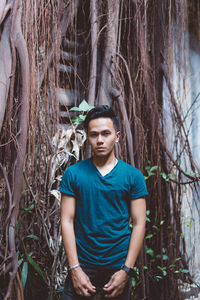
[{"x": 100, "y": 153}]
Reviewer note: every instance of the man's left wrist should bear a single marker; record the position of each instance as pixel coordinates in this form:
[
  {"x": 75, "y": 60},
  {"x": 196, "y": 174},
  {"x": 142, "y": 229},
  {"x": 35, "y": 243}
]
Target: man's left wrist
[{"x": 129, "y": 271}]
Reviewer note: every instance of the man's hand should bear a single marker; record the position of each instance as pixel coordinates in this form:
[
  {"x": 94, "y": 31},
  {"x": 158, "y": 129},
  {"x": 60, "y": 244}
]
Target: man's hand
[
  {"x": 116, "y": 284},
  {"x": 82, "y": 283}
]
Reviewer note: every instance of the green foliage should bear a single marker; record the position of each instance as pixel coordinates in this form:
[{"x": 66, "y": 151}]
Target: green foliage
[
  {"x": 147, "y": 218},
  {"x": 24, "y": 273},
  {"x": 35, "y": 266},
  {"x": 83, "y": 108},
  {"x": 153, "y": 170},
  {"x": 29, "y": 209},
  {"x": 150, "y": 171},
  {"x": 158, "y": 264},
  {"x": 188, "y": 221},
  {"x": 32, "y": 236},
  {"x": 24, "y": 260},
  {"x": 155, "y": 258}
]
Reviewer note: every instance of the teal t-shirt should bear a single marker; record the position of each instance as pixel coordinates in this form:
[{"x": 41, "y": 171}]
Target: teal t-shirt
[{"x": 101, "y": 221}]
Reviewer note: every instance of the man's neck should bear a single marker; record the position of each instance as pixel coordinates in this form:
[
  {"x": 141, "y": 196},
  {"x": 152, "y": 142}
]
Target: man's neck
[
  {"x": 105, "y": 164},
  {"x": 104, "y": 161}
]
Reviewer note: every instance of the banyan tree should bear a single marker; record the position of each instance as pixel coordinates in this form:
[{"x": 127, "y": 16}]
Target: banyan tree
[{"x": 143, "y": 58}]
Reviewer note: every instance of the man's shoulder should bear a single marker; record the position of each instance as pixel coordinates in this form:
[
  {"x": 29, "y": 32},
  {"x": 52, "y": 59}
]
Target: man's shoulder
[
  {"x": 79, "y": 165},
  {"x": 129, "y": 168}
]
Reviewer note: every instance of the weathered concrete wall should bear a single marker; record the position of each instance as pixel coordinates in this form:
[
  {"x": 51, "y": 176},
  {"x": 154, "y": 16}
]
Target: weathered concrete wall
[{"x": 185, "y": 79}]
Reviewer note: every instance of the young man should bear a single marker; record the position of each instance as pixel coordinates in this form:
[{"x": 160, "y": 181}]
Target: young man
[{"x": 99, "y": 195}]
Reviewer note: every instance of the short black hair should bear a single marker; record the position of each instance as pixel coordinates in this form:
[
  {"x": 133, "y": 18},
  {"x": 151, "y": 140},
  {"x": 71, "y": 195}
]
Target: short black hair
[{"x": 102, "y": 111}]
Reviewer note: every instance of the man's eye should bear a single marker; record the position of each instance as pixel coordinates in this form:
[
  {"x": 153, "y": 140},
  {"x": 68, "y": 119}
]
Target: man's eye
[
  {"x": 93, "y": 134},
  {"x": 106, "y": 133}
]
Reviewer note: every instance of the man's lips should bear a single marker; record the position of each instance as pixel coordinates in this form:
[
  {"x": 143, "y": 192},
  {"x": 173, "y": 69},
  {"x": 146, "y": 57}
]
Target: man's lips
[{"x": 100, "y": 148}]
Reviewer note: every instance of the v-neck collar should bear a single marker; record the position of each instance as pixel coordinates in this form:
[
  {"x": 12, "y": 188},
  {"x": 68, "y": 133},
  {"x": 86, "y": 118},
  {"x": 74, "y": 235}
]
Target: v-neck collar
[{"x": 104, "y": 176}]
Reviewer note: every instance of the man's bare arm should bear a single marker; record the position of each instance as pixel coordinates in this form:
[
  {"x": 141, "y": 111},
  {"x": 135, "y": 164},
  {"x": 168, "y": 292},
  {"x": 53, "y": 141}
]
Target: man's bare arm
[
  {"x": 81, "y": 281},
  {"x": 119, "y": 279},
  {"x": 138, "y": 215}
]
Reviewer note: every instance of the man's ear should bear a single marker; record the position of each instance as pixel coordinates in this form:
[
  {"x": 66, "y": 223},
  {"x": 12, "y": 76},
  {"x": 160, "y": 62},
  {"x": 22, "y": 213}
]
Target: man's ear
[{"x": 118, "y": 133}]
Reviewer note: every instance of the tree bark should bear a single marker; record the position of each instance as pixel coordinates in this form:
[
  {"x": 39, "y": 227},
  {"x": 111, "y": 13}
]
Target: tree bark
[
  {"x": 21, "y": 48},
  {"x": 3, "y": 9},
  {"x": 105, "y": 88},
  {"x": 5, "y": 68},
  {"x": 94, "y": 40},
  {"x": 64, "y": 24}
]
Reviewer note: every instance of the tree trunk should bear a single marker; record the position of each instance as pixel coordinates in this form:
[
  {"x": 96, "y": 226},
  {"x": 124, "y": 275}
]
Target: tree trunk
[
  {"x": 5, "y": 67},
  {"x": 94, "y": 42},
  {"x": 106, "y": 84}
]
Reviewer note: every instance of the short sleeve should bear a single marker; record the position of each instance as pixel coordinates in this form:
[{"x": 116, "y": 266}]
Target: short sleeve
[
  {"x": 138, "y": 186},
  {"x": 67, "y": 184}
]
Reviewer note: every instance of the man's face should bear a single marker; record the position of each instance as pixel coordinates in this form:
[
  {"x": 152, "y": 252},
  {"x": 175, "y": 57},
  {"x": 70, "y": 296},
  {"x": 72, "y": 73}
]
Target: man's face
[{"x": 102, "y": 136}]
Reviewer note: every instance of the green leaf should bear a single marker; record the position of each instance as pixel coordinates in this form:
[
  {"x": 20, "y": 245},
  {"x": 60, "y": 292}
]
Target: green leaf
[
  {"x": 158, "y": 277},
  {"x": 84, "y": 106},
  {"x": 161, "y": 268},
  {"x": 177, "y": 259},
  {"x": 76, "y": 121},
  {"x": 150, "y": 251},
  {"x": 145, "y": 268},
  {"x": 154, "y": 168},
  {"x": 182, "y": 236},
  {"x": 155, "y": 227},
  {"x": 136, "y": 270},
  {"x": 188, "y": 223},
  {"x": 24, "y": 274},
  {"x": 162, "y": 222},
  {"x": 75, "y": 108},
  {"x": 165, "y": 257},
  {"x": 82, "y": 117},
  {"x": 148, "y": 212},
  {"x": 23, "y": 193},
  {"x": 171, "y": 266},
  {"x": 32, "y": 236},
  {"x": 133, "y": 282},
  {"x": 148, "y": 220},
  {"x": 164, "y": 273},
  {"x": 164, "y": 175},
  {"x": 29, "y": 209},
  {"x": 35, "y": 266},
  {"x": 179, "y": 161},
  {"x": 184, "y": 271},
  {"x": 149, "y": 236},
  {"x": 20, "y": 261}
]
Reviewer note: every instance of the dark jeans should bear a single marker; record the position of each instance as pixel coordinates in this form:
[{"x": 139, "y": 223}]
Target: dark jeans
[{"x": 98, "y": 277}]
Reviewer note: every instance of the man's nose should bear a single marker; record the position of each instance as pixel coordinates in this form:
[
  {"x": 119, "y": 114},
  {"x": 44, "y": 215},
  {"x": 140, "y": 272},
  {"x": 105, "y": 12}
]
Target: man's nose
[{"x": 99, "y": 139}]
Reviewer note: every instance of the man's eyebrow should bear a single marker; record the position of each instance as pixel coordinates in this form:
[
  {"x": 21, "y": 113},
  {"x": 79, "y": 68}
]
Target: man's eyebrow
[
  {"x": 92, "y": 131},
  {"x": 96, "y": 131}
]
